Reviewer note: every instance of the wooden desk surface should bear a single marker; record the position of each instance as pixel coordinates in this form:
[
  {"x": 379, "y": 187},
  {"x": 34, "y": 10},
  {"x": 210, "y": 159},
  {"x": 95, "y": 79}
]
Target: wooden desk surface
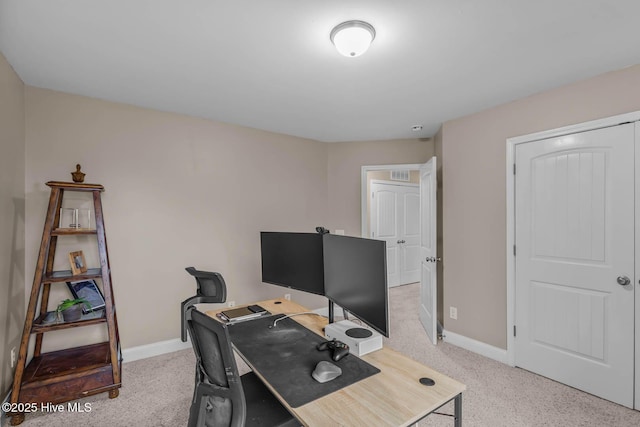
[{"x": 394, "y": 397}]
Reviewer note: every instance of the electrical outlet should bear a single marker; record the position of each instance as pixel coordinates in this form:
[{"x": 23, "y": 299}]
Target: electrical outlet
[
  {"x": 13, "y": 357},
  {"x": 231, "y": 304},
  {"x": 453, "y": 313},
  {"x": 287, "y": 297}
]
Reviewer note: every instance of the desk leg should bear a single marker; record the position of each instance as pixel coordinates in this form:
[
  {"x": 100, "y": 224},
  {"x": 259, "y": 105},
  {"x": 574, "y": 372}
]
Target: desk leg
[{"x": 457, "y": 409}]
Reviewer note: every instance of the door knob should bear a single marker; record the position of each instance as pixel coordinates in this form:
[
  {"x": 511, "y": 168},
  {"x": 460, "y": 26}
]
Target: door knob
[{"x": 623, "y": 280}]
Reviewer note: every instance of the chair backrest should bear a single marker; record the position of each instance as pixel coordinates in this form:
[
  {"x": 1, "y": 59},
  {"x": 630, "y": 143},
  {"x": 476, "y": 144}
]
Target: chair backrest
[
  {"x": 210, "y": 285},
  {"x": 217, "y": 378},
  {"x": 211, "y": 289}
]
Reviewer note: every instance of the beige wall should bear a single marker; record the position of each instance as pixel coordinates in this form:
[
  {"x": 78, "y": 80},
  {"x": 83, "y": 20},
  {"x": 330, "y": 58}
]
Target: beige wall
[
  {"x": 344, "y": 174},
  {"x": 12, "y": 172},
  {"x": 180, "y": 192},
  {"x": 168, "y": 203},
  {"x": 474, "y": 176}
]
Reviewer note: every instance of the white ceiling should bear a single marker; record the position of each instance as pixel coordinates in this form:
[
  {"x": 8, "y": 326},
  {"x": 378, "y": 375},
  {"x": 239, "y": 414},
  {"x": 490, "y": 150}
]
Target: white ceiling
[{"x": 269, "y": 64}]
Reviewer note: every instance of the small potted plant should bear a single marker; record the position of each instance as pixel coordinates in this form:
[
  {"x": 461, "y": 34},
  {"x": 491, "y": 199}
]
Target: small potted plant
[{"x": 71, "y": 309}]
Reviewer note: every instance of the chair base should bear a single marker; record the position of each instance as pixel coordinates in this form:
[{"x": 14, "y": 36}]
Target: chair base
[{"x": 263, "y": 408}]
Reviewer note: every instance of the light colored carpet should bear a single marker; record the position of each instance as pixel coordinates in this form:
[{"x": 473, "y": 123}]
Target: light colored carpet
[{"x": 157, "y": 391}]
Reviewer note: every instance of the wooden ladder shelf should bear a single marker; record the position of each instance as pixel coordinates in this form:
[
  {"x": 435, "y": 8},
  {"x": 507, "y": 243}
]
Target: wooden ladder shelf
[{"x": 65, "y": 375}]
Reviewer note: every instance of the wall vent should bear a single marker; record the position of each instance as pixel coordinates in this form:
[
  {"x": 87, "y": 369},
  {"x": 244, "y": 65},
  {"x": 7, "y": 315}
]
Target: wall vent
[{"x": 402, "y": 175}]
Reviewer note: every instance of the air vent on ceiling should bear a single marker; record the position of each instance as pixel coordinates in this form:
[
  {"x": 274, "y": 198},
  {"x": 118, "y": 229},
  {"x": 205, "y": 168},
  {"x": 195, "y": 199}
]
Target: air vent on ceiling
[{"x": 400, "y": 175}]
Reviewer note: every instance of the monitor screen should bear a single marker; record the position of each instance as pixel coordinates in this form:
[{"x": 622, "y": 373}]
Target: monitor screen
[
  {"x": 293, "y": 260},
  {"x": 355, "y": 271}
]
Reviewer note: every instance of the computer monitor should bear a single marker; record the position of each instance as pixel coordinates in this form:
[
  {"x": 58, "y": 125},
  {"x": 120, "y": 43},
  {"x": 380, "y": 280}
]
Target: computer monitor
[
  {"x": 355, "y": 278},
  {"x": 293, "y": 260}
]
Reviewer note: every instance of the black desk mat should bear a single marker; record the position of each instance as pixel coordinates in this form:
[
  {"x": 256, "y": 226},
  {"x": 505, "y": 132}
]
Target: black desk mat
[{"x": 286, "y": 355}]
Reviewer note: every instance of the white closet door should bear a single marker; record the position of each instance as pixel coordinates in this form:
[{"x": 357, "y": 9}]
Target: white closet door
[
  {"x": 395, "y": 218},
  {"x": 575, "y": 279},
  {"x": 384, "y": 226},
  {"x": 410, "y": 236}
]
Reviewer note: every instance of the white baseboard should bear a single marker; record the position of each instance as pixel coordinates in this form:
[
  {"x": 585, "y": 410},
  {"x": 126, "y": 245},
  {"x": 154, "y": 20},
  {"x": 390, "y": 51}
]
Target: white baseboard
[
  {"x": 155, "y": 349},
  {"x": 478, "y": 347}
]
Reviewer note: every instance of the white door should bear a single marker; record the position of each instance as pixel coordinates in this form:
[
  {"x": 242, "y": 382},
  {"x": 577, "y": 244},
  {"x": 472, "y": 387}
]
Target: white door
[
  {"x": 395, "y": 213},
  {"x": 574, "y": 203},
  {"x": 384, "y": 219},
  {"x": 428, "y": 312}
]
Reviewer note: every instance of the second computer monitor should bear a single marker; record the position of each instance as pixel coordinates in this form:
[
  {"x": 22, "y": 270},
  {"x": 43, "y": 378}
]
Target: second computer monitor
[
  {"x": 293, "y": 260},
  {"x": 355, "y": 278}
]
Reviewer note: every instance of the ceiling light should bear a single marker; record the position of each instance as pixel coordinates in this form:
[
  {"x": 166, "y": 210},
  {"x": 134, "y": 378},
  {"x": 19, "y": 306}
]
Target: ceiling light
[{"x": 353, "y": 38}]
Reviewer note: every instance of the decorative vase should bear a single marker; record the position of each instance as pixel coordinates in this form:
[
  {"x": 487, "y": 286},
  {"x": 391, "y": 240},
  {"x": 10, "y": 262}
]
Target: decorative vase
[{"x": 72, "y": 313}]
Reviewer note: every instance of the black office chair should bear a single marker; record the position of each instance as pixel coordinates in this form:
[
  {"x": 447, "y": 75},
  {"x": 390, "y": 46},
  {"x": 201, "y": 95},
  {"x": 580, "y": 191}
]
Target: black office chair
[
  {"x": 221, "y": 396},
  {"x": 211, "y": 289}
]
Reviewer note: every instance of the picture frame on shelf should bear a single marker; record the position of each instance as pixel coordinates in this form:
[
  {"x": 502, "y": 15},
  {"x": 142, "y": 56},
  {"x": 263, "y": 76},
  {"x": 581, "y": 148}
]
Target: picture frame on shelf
[
  {"x": 77, "y": 262},
  {"x": 88, "y": 290}
]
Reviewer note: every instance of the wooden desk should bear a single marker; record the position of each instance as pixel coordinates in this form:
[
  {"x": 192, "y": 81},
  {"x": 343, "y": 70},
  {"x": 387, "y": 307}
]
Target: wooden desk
[{"x": 393, "y": 397}]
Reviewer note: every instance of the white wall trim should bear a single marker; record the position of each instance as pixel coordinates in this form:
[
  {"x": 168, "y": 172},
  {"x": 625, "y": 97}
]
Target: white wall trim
[
  {"x": 511, "y": 259},
  {"x": 511, "y": 199},
  {"x": 477, "y": 347},
  {"x": 578, "y": 127},
  {"x": 154, "y": 349}
]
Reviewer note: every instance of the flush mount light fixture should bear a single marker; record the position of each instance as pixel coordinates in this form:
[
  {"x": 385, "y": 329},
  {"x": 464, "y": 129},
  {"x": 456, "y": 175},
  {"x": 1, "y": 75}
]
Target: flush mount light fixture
[{"x": 353, "y": 38}]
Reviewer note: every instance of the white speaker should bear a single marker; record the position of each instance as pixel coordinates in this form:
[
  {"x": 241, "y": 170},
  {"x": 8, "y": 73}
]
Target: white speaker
[{"x": 360, "y": 340}]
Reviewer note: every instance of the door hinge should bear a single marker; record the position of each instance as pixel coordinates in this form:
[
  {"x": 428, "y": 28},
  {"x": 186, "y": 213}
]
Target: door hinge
[
  {"x": 372, "y": 194},
  {"x": 514, "y": 250},
  {"x": 514, "y": 168},
  {"x": 514, "y": 330}
]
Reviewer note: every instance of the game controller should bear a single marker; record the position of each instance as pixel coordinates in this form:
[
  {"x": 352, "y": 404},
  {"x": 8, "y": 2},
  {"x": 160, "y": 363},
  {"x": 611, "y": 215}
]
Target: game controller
[{"x": 338, "y": 349}]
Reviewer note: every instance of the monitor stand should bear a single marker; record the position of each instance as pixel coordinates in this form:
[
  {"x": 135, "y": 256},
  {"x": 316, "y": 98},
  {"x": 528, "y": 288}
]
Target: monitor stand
[
  {"x": 355, "y": 332},
  {"x": 332, "y": 312},
  {"x": 331, "y": 309}
]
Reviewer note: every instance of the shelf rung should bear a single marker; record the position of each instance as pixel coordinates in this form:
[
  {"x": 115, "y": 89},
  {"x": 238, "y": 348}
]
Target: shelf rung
[
  {"x": 73, "y": 231},
  {"x": 67, "y": 276},
  {"x": 92, "y": 318}
]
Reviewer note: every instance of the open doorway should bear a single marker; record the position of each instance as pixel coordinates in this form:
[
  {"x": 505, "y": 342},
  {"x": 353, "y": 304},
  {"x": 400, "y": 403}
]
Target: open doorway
[
  {"x": 394, "y": 216},
  {"x": 420, "y": 208}
]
